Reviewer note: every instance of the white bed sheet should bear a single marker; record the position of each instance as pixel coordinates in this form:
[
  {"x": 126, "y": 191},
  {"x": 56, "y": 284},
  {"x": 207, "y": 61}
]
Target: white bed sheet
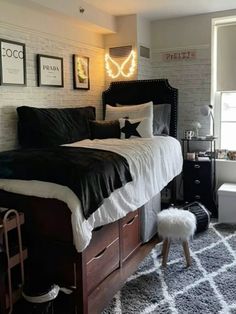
[{"x": 153, "y": 163}]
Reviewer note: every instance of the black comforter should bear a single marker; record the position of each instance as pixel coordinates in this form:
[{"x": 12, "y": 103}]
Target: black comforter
[{"x": 91, "y": 174}]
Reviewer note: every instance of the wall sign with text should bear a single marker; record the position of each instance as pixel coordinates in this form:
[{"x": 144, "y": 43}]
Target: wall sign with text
[
  {"x": 179, "y": 55},
  {"x": 50, "y": 71},
  {"x": 12, "y": 63}
]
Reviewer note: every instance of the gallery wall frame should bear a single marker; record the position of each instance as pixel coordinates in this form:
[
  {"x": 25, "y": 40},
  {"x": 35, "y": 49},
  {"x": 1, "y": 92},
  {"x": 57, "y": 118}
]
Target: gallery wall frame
[
  {"x": 50, "y": 71},
  {"x": 81, "y": 77},
  {"x": 12, "y": 63}
]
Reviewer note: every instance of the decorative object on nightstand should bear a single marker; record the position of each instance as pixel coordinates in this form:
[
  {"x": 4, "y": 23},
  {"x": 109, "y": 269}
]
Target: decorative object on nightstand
[
  {"x": 176, "y": 224},
  {"x": 188, "y": 134},
  {"x": 199, "y": 174},
  {"x": 197, "y": 126}
]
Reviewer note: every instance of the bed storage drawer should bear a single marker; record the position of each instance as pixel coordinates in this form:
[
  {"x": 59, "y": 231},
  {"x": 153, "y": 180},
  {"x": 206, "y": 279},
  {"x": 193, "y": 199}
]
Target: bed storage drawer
[
  {"x": 102, "y": 237},
  {"x": 102, "y": 254},
  {"x": 102, "y": 264},
  {"x": 130, "y": 234}
]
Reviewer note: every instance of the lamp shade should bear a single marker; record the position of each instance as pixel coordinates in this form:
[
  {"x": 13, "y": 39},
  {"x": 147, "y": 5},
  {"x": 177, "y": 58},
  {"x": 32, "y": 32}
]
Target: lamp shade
[{"x": 205, "y": 110}]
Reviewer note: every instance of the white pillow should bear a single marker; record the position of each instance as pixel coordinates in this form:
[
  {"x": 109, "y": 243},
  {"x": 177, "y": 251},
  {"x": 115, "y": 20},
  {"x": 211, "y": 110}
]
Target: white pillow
[
  {"x": 130, "y": 128},
  {"x": 130, "y": 112}
]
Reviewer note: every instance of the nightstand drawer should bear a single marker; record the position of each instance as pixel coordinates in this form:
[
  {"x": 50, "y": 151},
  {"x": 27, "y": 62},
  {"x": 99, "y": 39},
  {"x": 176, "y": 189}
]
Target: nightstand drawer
[
  {"x": 196, "y": 194},
  {"x": 197, "y": 169},
  {"x": 197, "y": 183},
  {"x": 205, "y": 199}
]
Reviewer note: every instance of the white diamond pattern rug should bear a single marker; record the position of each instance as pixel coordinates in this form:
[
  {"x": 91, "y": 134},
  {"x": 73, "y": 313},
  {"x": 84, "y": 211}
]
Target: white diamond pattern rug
[{"x": 208, "y": 286}]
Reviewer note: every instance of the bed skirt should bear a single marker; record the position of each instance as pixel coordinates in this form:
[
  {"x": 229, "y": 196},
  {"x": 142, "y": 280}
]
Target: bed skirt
[{"x": 148, "y": 218}]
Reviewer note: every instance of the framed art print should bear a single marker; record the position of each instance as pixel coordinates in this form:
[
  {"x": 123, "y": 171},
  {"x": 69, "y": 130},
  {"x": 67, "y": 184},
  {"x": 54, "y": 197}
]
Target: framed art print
[
  {"x": 50, "y": 71},
  {"x": 81, "y": 72},
  {"x": 12, "y": 63}
]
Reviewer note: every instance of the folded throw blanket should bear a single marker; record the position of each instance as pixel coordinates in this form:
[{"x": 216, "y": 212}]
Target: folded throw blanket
[{"x": 92, "y": 174}]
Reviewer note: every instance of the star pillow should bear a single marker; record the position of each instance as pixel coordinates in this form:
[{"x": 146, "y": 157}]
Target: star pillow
[{"x": 131, "y": 128}]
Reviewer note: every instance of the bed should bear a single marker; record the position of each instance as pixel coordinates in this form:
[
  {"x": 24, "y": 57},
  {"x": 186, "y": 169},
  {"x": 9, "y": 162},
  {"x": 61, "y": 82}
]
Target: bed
[{"x": 93, "y": 248}]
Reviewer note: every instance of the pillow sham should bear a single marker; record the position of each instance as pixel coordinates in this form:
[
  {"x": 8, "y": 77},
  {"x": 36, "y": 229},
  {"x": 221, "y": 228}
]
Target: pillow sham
[
  {"x": 130, "y": 128},
  {"x": 104, "y": 129},
  {"x": 161, "y": 119},
  {"x": 46, "y": 127},
  {"x": 130, "y": 112}
]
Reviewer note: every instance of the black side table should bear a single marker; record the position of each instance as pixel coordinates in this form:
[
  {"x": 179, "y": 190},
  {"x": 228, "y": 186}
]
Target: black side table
[{"x": 199, "y": 177}]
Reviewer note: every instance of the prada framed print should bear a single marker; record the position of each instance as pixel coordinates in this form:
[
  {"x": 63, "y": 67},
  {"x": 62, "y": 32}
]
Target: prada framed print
[
  {"x": 50, "y": 71},
  {"x": 81, "y": 72},
  {"x": 12, "y": 63}
]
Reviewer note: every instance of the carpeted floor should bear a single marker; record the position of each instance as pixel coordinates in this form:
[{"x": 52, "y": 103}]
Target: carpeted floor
[{"x": 208, "y": 286}]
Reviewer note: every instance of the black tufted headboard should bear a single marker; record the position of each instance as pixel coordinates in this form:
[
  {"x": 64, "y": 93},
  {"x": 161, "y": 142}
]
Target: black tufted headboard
[{"x": 141, "y": 91}]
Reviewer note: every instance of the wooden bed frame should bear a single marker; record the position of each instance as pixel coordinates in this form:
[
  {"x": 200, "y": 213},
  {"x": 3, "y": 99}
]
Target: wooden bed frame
[{"x": 114, "y": 247}]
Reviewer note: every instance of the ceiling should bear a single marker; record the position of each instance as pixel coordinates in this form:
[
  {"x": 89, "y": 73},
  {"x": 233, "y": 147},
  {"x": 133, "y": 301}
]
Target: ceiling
[{"x": 162, "y": 9}]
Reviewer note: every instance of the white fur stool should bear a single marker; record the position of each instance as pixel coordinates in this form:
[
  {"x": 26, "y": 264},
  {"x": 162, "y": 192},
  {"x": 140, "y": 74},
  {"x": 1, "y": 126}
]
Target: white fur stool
[{"x": 176, "y": 224}]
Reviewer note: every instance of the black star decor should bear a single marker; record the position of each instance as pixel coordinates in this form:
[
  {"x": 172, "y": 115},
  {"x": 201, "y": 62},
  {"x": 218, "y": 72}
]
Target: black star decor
[{"x": 130, "y": 129}]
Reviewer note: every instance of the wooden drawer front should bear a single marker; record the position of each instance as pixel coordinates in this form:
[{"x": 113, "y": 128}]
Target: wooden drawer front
[
  {"x": 102, "y": 264},
  {"x": 102, "y": 237},
  {"x": 130, "y": 234}
]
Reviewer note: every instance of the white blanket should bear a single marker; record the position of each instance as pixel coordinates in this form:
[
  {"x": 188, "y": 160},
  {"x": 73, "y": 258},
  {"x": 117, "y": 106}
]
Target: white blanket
[{"x": 153, "y": 163}]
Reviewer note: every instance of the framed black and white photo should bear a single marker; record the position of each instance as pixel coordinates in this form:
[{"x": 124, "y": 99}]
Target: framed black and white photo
[
  {"x": 50, "y": 71},
  {"x": 81, "y": 72},
  {"x": 12, "y": 63}
]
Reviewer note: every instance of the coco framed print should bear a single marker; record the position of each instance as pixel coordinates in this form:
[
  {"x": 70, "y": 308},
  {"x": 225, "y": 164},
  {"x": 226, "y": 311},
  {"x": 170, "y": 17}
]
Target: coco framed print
[
  {"x": 81, "y": 72},
  {"x": 12, "y": 63},
  {"x": 50, "y": 71}
]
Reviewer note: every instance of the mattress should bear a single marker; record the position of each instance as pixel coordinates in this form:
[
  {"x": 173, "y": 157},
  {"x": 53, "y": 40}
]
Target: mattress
[{"x": 153, "y": 163}]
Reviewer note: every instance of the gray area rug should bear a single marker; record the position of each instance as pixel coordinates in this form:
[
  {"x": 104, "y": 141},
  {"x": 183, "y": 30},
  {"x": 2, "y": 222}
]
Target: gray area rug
[{"x": 208, "y": 286}]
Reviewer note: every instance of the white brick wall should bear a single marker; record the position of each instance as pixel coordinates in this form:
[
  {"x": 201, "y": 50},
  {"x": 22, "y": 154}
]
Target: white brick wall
[
  {"x": 193, "y": 80},
  {"x": 145, "y": 71},
  {"x": 40, "y": 43}
]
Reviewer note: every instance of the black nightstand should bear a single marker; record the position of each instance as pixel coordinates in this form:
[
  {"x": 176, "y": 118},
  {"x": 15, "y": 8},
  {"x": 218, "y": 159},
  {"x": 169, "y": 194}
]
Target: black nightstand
[{"x": 199, "y": 175}]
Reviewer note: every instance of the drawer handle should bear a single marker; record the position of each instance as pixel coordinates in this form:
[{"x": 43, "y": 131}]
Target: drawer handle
[
  {"x": 197, "y": 197},
  {"x": 197, "y": 166},
  {"x": 197, "y": 181},
  {"x": 100, "y": 254},
  {"x": 130, "y": 222}
]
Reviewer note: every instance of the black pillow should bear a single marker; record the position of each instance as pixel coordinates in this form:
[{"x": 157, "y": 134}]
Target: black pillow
[
  {"x": 47, "y": 127},
  {"x": 105, "y": 129}
]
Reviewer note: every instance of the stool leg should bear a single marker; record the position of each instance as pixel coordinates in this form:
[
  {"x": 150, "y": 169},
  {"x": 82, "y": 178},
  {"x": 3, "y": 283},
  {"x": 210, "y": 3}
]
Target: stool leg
[
  {"x": 165, "y": 251},
  {"x": 187, "y": 253}
]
